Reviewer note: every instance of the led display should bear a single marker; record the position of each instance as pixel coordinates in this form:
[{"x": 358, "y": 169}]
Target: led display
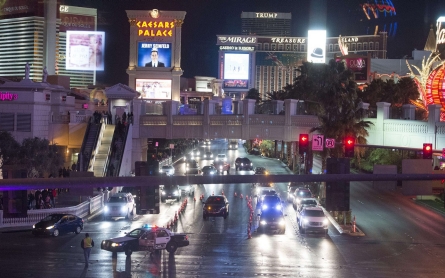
[
  {"x": 316, "y": 46},
  {"x": 236, "y": 66},
  {"x": 154, "y": 88},
  {"x": 154, "y": 54},
  {"x": 85, "y": 50}
]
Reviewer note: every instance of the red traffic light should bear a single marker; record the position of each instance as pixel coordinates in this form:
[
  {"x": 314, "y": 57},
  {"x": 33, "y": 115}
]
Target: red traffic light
[
  {"x": 349, "y": 146},
  {"x": 303, "y": 137},
  {"x": 427, "y": 151},
  {"x": 303, "y": 144}
]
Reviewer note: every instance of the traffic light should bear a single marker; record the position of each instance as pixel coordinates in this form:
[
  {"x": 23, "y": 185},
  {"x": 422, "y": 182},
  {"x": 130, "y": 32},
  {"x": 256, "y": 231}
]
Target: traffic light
[
  {"x": 349, "y": 146},
  {"x": 303, "y": 144},
  {"x": 427, "y": 151}
]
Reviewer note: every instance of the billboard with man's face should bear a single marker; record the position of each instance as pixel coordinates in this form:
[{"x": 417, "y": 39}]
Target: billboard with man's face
[
  {"x": 85, "y": 50},
  {"x": 154, "y": 88},
  {"x": 154, "y": 54}
]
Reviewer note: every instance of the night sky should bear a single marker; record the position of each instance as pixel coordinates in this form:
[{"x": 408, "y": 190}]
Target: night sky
[{"x": 207, "y": 18}]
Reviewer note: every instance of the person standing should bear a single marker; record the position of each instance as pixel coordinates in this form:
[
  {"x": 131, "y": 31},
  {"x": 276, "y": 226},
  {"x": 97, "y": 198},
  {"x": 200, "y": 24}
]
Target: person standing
[{"x": 87, "y": 244}]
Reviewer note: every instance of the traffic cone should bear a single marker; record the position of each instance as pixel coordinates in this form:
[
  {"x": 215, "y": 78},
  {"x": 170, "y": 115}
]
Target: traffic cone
[
  {"x": 241, "y": 196},
  {"x": 222, "y": 192},
  {"x": 234, "y": 194}
]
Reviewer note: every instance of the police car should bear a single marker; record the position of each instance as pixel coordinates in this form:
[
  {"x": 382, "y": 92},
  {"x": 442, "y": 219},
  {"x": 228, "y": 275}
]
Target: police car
[{"x": 146, "y": 238}]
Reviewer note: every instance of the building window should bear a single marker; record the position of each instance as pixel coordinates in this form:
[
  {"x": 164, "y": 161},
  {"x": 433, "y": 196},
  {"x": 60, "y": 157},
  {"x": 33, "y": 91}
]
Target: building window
[
  {"x": 6, "y": 121},
  {"x": 273, "y": 47},
  {"x": 353, "y": 47},
  {"x": 376, "y": 46},
  {"x": 24, "y": 122},
  {"x": 288, "y": 47},
  {"x": 266, "y": 46},
  {"x": 302, "y": 48},
  {"x": 371, "y": 46},
  {"x": 365, "y": 46},
  {"x": 336, "y": 47},
  {"x": 331, "y": 48},
  {"x": 348, "y": 45},
  {"x": 359, "y": 46},
  {"x": 296, "y": 48},
  {"x": 258, "y": 46},
  {"x": 280, "y": 47}
]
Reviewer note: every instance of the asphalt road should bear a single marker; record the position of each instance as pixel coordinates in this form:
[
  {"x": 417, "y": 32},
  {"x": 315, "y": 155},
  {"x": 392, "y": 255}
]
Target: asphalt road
[{"x": 402, "y": 240}]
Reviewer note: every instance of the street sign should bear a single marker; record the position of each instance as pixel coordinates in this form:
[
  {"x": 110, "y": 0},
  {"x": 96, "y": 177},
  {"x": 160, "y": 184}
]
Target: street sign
[
  {"x": 172, "y": 146},
  {"x": 330, "y": 143},
  {"x": 317, "y": 142}
]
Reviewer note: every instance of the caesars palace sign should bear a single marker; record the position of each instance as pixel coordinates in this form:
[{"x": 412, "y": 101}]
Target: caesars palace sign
[{"x": 155, "y": 28}]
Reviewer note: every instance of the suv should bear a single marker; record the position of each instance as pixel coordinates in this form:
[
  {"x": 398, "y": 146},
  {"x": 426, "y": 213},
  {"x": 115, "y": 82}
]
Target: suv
[
  {"x": 299, "y": 194},
  {"x": 312, "y": 219},
  {"x": 120, "y": 205},
  {"x": 291, "y": 187},
  {"x": 170, "y": 192},
  {"x": 273, "y": 221},
  {"x": 243, "y": 163},
  {"x": 217, "y": 205}
]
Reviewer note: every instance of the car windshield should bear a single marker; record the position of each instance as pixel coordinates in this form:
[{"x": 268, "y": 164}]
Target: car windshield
[
  {"x": 269, "y": 192},
  {"x": 134, "y": 233},
  {"x": 207, "y": 168},
  {"x": 316, "y": 213},
  {"x": 271, "y": 214},
  {"x": 308, "y": 202},
  {"x": 215, "y": 200},
  {"x": 304, "y": 194},
  {"x": 117, "y": 199},
  {"x": 221, "y": 155},
  {"x": 271, "y": 199},
  {"x": 53, "y": 217}
]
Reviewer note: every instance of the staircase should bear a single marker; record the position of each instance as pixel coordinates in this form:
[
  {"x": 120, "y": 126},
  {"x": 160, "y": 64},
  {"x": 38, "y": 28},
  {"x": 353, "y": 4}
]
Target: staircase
[{"x": 102, "y": 155}]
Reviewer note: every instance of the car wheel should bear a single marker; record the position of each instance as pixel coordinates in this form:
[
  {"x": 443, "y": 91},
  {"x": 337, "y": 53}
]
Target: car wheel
[
  {"x": 56, "y": 232},
  {"x": 283, "y": 231},
  {"x": 171, "y": 247},
  {"x": 78, "y": 230},
  {"x": 128, "y": 251}
]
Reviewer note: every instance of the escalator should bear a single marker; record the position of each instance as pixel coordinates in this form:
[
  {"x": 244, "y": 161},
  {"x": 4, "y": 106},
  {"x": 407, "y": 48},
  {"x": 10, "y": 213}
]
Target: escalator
[
  {"x": 118, "y": 144},
  {"x": 88, "y": 145}
]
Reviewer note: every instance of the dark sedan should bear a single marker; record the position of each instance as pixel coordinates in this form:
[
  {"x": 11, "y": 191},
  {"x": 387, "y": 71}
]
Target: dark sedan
[
  {"x": 209, "y": 171},
  {"x": 216, "y": 206},
  {"x": 56, "y": 224},
  {"x": 272, "y": 221}
]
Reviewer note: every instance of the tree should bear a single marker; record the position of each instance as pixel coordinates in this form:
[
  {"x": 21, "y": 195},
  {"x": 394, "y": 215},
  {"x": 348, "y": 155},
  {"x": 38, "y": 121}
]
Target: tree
[
  {"x": 253, "y": 94},
  {"x": 338, "y": 107},
  {"x": 39, "y": 155},
  {"x": 9, "y": 149}
]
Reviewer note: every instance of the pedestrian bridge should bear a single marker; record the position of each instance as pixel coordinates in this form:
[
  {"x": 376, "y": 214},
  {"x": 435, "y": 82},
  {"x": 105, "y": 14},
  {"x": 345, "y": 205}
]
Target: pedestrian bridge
[{"x": 244, "y": 124}]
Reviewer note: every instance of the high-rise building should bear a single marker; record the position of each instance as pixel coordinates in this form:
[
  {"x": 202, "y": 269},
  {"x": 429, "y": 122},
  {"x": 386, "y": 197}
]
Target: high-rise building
[
  {"x": 266, "y": 24},
  {"x": 34, "y": 32}
]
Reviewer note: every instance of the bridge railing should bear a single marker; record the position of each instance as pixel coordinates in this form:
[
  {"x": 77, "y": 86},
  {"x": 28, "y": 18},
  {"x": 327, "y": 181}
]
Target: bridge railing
[{"x": 84, "y": 209}]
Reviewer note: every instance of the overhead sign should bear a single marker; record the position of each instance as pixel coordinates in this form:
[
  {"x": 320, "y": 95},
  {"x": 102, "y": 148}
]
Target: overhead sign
[
  {"x": 317, "y": 142},
  {"x": 236, "y": 40},
  {"x": 330, "y": 143},
  {"x": 155, "y": 28},
  {"x": 236, "y": 48}
]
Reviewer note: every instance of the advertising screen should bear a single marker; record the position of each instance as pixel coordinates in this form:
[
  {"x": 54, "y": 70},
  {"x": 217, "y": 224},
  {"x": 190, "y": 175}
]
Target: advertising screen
[
  {"x": 236, "y": 66},
  {"x": 235, "y": 83},
  {"x": 358, "y": 65},
  {"x": 316, "y": 46},
  {"x": 85, "y": 50},
  {"x": 154, "y": 54},
  {"x": 154, "y": 88},
  {"x": 76, "y": 22},
  {"x": 21, "y": 7}
]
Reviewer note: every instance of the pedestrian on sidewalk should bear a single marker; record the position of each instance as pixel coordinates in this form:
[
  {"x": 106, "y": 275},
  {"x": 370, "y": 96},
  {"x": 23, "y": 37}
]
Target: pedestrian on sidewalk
[{"x": 87, "y": 244}]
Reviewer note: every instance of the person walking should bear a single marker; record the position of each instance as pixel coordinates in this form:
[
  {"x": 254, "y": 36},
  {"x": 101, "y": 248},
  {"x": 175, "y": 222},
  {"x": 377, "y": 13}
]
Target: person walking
[{"x": 87, "y": 244}]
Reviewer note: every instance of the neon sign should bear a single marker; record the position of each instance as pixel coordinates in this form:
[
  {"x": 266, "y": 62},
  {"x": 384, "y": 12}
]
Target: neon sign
[
  {"x": 155, "y": 28},
  {"x": 6, "y": 96}
]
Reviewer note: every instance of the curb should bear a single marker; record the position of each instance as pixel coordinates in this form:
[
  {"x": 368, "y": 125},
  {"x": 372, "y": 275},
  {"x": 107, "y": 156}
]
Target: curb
[
  {"x": 339, "y": 228},
  {"x": 429, "y": 207}
]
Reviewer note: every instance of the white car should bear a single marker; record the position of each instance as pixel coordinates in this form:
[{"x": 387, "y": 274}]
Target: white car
[
  {"x": 168, "y": 170},
  {"x": 120, "y": 205},
  {"x": 221, "y": 157},
  {"x": 312, "y": 219}
]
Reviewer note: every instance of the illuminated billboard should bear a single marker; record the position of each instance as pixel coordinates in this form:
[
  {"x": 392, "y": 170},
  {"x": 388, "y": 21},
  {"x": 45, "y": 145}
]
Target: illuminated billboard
[
  {"x": 76, "y": 22},
  {"x": 20, "y": 8},
  {"x": 154, "y": 88},
  {"x": 316, "y": 46},
  {"x": 236, "y": 66},
  {"x": 358, "y": 66},
  {"x": 440, "y": 36},
  {"x": 154, "y": 54},
  {"x": 85, "y": 50}
]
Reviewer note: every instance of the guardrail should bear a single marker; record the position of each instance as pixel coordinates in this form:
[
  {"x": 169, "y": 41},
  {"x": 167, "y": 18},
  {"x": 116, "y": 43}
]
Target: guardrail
[{"x": 86, "y": 208}]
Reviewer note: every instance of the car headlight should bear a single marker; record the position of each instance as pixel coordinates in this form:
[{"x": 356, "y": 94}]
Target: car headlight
[
  {"x": 50, "y": 227},
  {"x": 278, "y": 207},
  {"x": 186, "y": 168},
  {"x": 197, "y": 153},
  {"x": 160, "y": 171},
  {"x": 264, "y": 207},
  {"x": 33, "y": 226},
  {"x": 106, "y": 209},
  {"x": 305, "y": 221},
  {"x": 220, "y": 167},
  {"x": 281, "y": 222},
  {"x": 163, "y": 192},
  {"x": 123, "y": 208},
  {"x": 262, "y": 222},
  {"x": 116, "y": 244},
  {"x": 225, "y": 159},
  {"x": 211, "y": 155},
  {"x": 175, "y": 193},
  {"x": 212, "y": 172},
  {"x": 325, "y": 222},
  {"x": 298, "y": 201},
  {"x": 241, "y": 164}
]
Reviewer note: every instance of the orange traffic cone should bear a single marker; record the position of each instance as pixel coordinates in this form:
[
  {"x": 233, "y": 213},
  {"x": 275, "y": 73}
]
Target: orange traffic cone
[
  {"x": 234, "y": 194},
  {"x": 222, "y": 192},
  {"x": 241, "y": 196}
]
